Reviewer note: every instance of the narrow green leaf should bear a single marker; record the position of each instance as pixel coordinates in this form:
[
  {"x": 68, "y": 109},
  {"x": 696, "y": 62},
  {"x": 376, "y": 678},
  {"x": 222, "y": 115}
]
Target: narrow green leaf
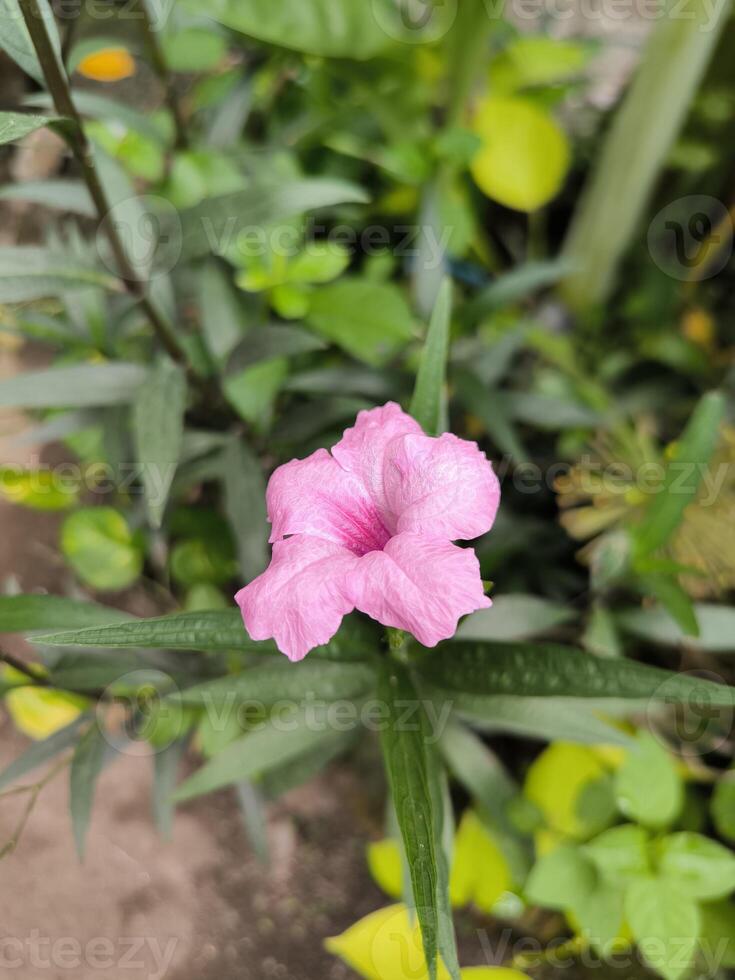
[
  {"x": 180, "y": 631},
  {"x": 244, "y": 488},
  {"x": 26, "y": 613},
  {"x": 15, "y": 40},
  {"x": 158, "y": 430},
  {"x": 65, "y": 195},
  {"x": 514, "y": 617},
  {"x": 441, "y": 805},
  {"x": 166, "y": 763},
  {"x": 519, "y": 284},
  {"x": 223, "y": 319},
  {"x": 269, "y": 341},
  {"x": 549, "y": 718},
  {"x": 683, "y": 475},
  {"x": 16, "y": 125},
  {"x": 675, "y": 601},
  {"x": 31, "y": 272},
  {"x": 636, "y": 147},
  {"x": 41, "y": 752},
  {"x": 270, "y": 745},
  {"x": 270, "y": 683},
  {"x": 283, "y": 778},
  {"x": 541, "y": 670},
  {"x": 213, "y": 227},
  {"x": 73, "y": 386},
  {"x": 655, "y": 625},
  {"x": 404, "y": 752},
  {"x": 428, "y": 405},
  {"x": 255, "y": 819},
  {"x": 86, "y": 765}
]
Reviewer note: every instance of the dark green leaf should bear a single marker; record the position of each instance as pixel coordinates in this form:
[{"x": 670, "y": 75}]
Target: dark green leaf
[
  {"x": 158, "y": 429},
  {"x": 30, "y": 272},
  {"x": 41, "y": 752},
  {"x": 428, "y": 405},
  {"x": 213, "y": 225},
  {"x": 86, "y": 765},
  {"x": 441, "y": 805},
  {"x": 269, "y": 683},
  {"x": 16, "y": 125},
  {"x": 244, "y": 487},
  {"x": 349, "y": 30},
  {"x": 222, "y": 316},
  {"x": 269, "y": 341},
  {"x": 541, "y": 670},
  {"x": 73, "y": 386},
  {"x": 25, "y": 613},
  {"x": 405, "y": 755},
  {"x": 517, "y": 285},
  {"x": 722, "y": 807},
  {"x": 683, "y": 475},
  {"x": 271, "y": 744}
]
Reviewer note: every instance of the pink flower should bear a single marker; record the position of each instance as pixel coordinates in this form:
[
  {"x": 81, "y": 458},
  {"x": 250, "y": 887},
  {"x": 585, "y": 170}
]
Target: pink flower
[{"x": 370, "y": 527}]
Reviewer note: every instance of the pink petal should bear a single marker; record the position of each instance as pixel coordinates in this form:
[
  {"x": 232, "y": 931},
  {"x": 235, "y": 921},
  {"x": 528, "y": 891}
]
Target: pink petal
[
  {"x": 317, "y": 496},
  {"x": 442, "y": 487},
  {"x": 362, "y": 449},
  {"x": 301, "y": 597},
  {"x": 420, "y": 584}
]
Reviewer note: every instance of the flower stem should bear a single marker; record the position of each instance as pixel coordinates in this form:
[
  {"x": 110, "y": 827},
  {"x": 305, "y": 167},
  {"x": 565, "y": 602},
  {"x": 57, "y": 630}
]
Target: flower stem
[{"x": 58, "y": 86}]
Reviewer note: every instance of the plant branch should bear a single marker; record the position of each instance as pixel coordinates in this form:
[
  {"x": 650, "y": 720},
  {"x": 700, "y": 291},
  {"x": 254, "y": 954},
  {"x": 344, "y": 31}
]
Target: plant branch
[
  {"x": 58, "y": 86},
  {"x": 161, "y": 69},
  {"x": 23, "y": 668},
  {"x": 34, "y": 792}
]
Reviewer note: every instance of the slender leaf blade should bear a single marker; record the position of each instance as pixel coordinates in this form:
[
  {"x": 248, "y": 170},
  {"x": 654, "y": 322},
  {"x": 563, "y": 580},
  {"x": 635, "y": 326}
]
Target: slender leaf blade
[
  {"x": 74, "y": 386},
  {"x": 86, "y": 765},
  {"x": 26, "y": 613},
  {"x": 16, "y": 125},
  {"x": 41, "y": 752},
  {"x": 429, "y": 397}
]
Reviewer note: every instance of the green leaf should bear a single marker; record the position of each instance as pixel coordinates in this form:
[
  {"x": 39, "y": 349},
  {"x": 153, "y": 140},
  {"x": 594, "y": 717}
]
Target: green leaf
[
  {"x": 405, "y": 755},
  {"x": 222, "y": 317},
  {"x": 519, "y": 284},
  {"x": 621, "y": 853},
  {"x": 648, "y": 786},
  {"x": 370, "y": 320},
  {"x": 666, "y": 922},
  {"x": 180, "y": 631},
  {"x": 73, "y": 386},
  {"x": 99, "y": 546},
  {"x": 428, "y": 405},
  {"x": 193, "y": 50},
  {"x": 540, "y": 670},
  {"x": 675, "y": 601},
  {"x": 41, "y": 752},
  {"x": 16, "y": 125},
  {"x": 244, "y": 487},
  {"x": 514, "y": 617},
  {"x": 65, "y": 195},
  {"x": 717, "y": 938},
  {"x": 15, "y": 40},
  {"x": 683, "y": 475},
  {"x": 31, "y": 272},
  {"x": 716, "y": 627},
  {"x": 166, "y": 763},
  {"x": 350, "y": 29},
  {"x": 524, "y": 156},
  {"x": 252, "y": 392},
  {"x": 722, "y": 807},
  {"x": 270, "y": 683},
  {"x": 701, "y": 867},
  {"x": 635, "y": 149},
  {"x": 562, "y": 879},
  {"x": 547, "y": 718},
  {"x": 441, "y": 805},
  {"x": 304, "y": 767},
  {"x": 158, "y": 430},
  {"x": 86, "y": 765},
  {"x": 270, "y": 745},
  {"x": 26, "y": 613},
  {"x": 209, "y": 227},
  {"x": 269, "y": 341}
]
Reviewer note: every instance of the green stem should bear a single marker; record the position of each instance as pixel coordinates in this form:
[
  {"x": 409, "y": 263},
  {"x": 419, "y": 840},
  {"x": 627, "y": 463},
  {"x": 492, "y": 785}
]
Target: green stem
[{"x": 58, "y": 86}]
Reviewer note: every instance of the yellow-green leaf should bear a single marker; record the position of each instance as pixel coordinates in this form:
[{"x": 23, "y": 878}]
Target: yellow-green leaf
[
  {"x": 524, "y": 156},
  {"x": 39, "y": 712},
  {"x": 480, "y": 872},
  {"x": 555, "y": 781},
  {"x": 384, "y": 863}
]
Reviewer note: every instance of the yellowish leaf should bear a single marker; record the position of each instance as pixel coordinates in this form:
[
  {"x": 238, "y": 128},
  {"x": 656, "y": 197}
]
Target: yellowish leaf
[
  {"x": 524, "y": 156},
  {"x": 39, "y": 712},
  {"x": 384, "y": 862},
  {"x": 480, "y": 872},
  {"x": 556, "y": 779}
]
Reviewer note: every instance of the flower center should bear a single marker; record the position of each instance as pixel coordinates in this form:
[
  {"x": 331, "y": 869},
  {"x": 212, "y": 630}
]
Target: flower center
[{"x": 362, "y": 529}]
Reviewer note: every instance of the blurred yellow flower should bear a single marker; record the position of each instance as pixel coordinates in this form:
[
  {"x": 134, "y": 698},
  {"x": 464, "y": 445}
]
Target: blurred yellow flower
[{"x": 107, "y": 65}]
